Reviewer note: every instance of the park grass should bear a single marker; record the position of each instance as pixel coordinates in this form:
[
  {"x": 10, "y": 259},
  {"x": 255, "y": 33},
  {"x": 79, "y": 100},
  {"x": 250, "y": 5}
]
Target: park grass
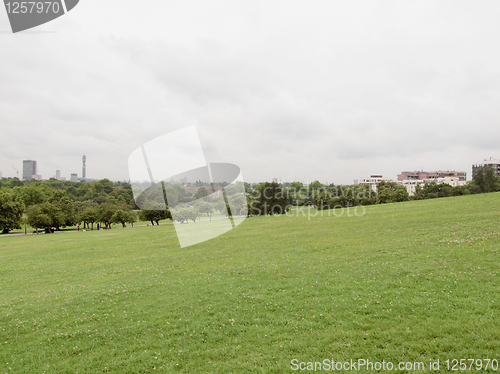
[
  {"x": 29, "y": 229},
  {"x": 402, "y": 282}
]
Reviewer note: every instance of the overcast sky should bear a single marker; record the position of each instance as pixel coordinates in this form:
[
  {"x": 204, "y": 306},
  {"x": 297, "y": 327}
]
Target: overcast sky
[{"x": 325, "y": 90}]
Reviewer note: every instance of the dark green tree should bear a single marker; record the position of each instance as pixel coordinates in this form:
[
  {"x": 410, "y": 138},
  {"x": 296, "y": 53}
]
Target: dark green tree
[
  {"x": 154, "y": 213},
  {"x": 106, "y": 212},
  {"x": 89, "y": 216},
  {"x": 120, "y": 216},
  {"x": 67, "y": 207},
  {"x": 46, "y": 215},
  {"x": 490, "y": 180},
  {"x": 271, "y": 199},
  {"x": 11, "y": 212},
  {"x": 33, "y": 194},
  {"x": 478, "y": 181},
  {"x": 201, "y": 193},
  {"x": 132, "y": 217},
  {"x": 37, "y": 218},
  {"x": 484, "y": 181},
  {"x": 391, "y": 192}
]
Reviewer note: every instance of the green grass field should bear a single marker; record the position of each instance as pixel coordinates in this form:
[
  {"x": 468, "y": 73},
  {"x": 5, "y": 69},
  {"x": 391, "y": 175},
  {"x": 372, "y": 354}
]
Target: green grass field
[
  {"x": 404, "y": 282},
  {"x": 31, "y": 230}
]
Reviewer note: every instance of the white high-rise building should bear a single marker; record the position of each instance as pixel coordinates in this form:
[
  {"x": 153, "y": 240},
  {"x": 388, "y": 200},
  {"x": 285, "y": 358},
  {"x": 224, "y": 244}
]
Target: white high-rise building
[
  {"x": 29, "y": 169},
  {"x": 373, "y": 181},
  {"x": 84, "y": 167},
  {"x": 411, "y": 184}
]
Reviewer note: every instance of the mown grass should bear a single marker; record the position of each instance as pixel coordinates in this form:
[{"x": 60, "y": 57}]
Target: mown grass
[
  {"x": 404, "y": 282},
  {"x": 30, "y": 230}
]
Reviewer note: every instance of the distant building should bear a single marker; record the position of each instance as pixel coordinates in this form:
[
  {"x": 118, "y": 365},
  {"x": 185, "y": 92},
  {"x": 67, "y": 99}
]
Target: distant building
[
  {"x": 84, "y": 167},
  {"x": 216, "y": 190},
  {"x": 29, "y": 169},
  {"x": 58, "y": 175},
  {"x": 62, "y": 179},
  {"x": 411, "y": 184},
  {"x": 373, "y": 181},
  {"x": 423, "y": 175},
  {"x": 74, "y": 178},
  {"x": 0, "y": 175},
  {"x": 494, "y": 163}
]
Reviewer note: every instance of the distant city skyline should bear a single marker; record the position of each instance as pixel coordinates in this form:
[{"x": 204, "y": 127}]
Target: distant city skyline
[
  {"x": 356, "y": 176},
  {"x": 495, "y": 163},
  {"x": 30, "y": 168},
  {"x": 75, "y": 177}
]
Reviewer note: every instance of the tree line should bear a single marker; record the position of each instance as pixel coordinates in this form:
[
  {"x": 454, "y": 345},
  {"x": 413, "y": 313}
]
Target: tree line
[
  {"x": 274, "y": 198},
  {"x": 53, "y": 205}
]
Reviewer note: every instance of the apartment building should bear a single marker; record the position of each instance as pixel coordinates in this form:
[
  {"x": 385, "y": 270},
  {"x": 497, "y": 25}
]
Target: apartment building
[
  {"x": 411, "y": 184},
  {"x": 492, "y": 162},
  {"x": 432, "y": 175},
  {"x": 373, "y": 181}
]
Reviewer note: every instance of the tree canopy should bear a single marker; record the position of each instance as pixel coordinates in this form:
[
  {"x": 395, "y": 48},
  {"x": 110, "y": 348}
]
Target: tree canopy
[{"x": 11, "y": 212}]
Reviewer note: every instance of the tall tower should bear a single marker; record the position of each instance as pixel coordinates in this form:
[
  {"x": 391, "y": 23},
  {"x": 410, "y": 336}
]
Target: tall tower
[
  {"x": 29, "y": 169},
  {"x": 84, "y": 167}
]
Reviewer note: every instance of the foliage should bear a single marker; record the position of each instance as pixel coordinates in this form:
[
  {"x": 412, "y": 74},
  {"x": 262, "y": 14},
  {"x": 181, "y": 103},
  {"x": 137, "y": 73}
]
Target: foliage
[
  {"x": 206, "y": 208},
  {"x": 11, "y": 212},
  {"x": 185, "y": 214},
  {"x": 37, "y": 218},
  {"x": 345, "y": 196},
  {"x": 89, "y": 216},
  {"x": 33, "y": 194},
  {"x": 66, "y": 205},
  {"x": 434, "y": 190},
  {"x": 238, "y": 203},
  {"x": 37, "y": 192},
  {"x": 154, "y": 213},
  {"x": 46, "y": 215},
  {"x": 220, "y": 205},
  {"x": 201, "y": 193},
  {"x": 391, "y": 192},
  {"x": 271, "y": 198},
  {"x": 120, "y": 216},
  {"x": 105, "y": 213},
  {"x": 485, "y": 181},
  {"x": 132, "y": 217}
]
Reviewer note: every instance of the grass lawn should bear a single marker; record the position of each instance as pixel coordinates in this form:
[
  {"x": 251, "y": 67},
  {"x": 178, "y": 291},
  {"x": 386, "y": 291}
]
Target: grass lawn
[
  {"x": 30, "y": 229},
  {"x": 413, "y": 281}
]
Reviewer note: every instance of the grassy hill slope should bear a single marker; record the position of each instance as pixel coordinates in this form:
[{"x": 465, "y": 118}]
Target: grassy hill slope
[{"x": 404, "y": 282}]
